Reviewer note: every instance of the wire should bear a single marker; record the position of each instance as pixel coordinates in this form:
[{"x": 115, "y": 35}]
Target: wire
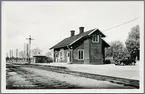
[{"x": 121, "y": 24}]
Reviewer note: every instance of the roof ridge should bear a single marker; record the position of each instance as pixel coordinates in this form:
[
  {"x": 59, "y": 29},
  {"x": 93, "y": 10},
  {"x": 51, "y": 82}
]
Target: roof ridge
[
  {"x": 72, "y": 39},
  {"x": 80, "y": 34}
]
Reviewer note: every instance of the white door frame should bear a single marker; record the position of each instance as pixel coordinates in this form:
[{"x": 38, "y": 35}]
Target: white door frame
[{"x": 68, "y": 57}]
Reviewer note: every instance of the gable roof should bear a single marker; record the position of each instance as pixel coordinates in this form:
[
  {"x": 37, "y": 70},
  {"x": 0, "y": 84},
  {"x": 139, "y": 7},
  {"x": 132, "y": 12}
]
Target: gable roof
[
  {"x": 70, "y": 40},
  {"x": 105, "y": 43}
]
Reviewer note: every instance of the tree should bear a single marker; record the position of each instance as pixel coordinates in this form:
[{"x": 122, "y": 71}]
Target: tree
[
  {"x": 49, "y": 57},
  {"x": 133, "y": 40},
  {"x": 48, "y": 54},
  {"x": 116, "y": 50},
  {"x": 36, "y": 51},
  {"x": 108, "y": 52},
  {"x": 22, "y": 54}
]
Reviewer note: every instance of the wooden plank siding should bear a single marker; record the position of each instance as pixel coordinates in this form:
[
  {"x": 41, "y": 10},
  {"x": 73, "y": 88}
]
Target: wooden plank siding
[{"x": 93, "y": 52}]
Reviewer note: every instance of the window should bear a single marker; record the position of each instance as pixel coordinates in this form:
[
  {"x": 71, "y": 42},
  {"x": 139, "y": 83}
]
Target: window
[
  {"x": 95, "y": 38},
  {"x": 60, "y": 53},
  {"x": 68, "y": 54},
  {"x": 81, "y": 54}
]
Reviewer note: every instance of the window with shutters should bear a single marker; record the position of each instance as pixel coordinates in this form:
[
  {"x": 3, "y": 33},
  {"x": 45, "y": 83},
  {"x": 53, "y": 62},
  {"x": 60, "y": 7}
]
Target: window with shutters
[{"x": 80, "y": 54}]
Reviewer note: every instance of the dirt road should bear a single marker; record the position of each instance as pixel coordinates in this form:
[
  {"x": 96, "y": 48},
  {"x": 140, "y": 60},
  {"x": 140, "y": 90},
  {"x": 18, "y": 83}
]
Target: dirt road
[{"x": 23, "y": 77}]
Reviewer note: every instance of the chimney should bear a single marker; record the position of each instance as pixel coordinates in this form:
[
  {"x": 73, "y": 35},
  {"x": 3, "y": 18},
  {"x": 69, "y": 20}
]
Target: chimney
[
  {"x": 72, "y": 33},
  {"x": 81, "y": 29}
]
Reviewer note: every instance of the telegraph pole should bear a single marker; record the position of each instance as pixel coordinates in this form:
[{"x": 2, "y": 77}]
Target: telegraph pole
[
  {"x": 29, "y": 48},
  {"x": 12, "y": 55},
  {"x": 16, "y": 55},
  {"x": 27, "y": 52},
  {"x": 7, "y": 57}
]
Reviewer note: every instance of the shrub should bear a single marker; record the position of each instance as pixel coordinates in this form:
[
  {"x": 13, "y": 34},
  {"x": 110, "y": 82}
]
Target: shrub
[{"x": 49, "y": 60}]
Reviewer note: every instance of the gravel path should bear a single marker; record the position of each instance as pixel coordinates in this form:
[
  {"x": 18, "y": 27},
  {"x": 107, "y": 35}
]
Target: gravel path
[
  {"x": 76, "y": 80},
  {"x": 26, "y": 77},
  {"x": 128, "y": 71},
  {"x": 18, "y": 78}
]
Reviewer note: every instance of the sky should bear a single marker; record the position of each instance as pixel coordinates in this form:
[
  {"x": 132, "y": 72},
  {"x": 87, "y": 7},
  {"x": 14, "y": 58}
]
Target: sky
[{"x": 49, "y": 22}]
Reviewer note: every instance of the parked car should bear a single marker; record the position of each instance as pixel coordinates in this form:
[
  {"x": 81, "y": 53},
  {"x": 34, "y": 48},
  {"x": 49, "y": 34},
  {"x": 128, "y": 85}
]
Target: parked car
[
  {"x": 107, "y": 61},
  {"x": 125, "y": 61}
]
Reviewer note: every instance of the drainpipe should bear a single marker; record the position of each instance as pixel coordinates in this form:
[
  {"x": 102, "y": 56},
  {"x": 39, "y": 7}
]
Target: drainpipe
[{"x": 68, "y": 48}]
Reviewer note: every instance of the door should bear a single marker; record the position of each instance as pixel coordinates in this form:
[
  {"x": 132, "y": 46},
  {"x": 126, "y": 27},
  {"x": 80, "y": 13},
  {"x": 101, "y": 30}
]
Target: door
[{"x": 68, "y": 57}]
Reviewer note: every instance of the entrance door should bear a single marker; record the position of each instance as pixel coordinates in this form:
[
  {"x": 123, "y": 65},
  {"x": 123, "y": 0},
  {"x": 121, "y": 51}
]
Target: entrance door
[{"x": 68, "y": 57}]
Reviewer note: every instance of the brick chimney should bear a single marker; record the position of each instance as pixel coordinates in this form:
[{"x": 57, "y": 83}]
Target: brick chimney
[
  {"x": 81, "y": 30},
  {"x": 72, "y": 33}
]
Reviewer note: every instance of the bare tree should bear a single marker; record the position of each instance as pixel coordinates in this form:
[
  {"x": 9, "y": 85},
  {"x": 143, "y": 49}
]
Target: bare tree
[
  {"x": 22, "y": 54},
  {"x": 36, "y": 51}
]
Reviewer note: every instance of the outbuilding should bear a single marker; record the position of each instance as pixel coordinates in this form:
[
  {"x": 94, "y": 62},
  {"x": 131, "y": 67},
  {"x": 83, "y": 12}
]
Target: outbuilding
[{"x": 40, "y": 59}]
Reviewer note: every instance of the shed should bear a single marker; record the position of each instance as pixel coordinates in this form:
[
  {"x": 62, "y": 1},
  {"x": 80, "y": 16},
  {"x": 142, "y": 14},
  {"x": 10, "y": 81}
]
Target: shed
[{"x": 40, "y": 59}]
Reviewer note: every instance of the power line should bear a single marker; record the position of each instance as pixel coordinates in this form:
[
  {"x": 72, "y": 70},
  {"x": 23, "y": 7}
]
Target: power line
[{"x": 121, "y": 24}]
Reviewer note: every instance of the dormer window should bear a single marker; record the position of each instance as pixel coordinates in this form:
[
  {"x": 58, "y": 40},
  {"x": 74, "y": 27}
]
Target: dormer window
[{"x": 95, "y": 38}]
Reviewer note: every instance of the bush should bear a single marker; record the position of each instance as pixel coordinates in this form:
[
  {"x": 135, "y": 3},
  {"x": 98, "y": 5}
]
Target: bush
[
  {"x": 49, "y": 60},
  {"x": 107, "y": 61}
]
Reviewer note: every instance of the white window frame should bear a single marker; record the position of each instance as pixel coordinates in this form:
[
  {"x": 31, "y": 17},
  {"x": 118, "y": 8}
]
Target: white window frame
[
  {"x": 96, "y": 40},
  {"x": 78, "y": 54}
]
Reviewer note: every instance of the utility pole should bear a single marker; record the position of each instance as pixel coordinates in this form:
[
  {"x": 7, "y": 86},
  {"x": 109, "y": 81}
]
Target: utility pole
[
  {"x": 16, "y": 55},
  {"x": 29, "y": 48},
  {"x": 12, "y": 55},
  {"x": 7, "y": 57},
  {"x": 27, "y": 52}
]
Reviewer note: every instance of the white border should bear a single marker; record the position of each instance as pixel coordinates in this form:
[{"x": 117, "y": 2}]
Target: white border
[
  {"x": 141, "y": 65},
  {"x": 3, "y": 54},
  {"x": 3, "y": 69}
]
